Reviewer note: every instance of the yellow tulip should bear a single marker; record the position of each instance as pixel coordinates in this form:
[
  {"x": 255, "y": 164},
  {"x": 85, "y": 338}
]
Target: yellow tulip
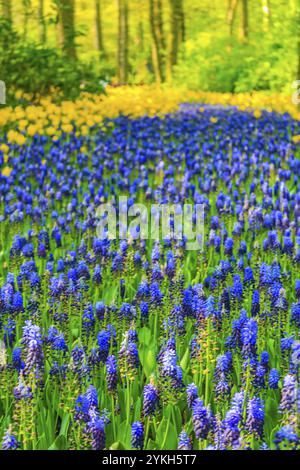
[
  {"x": 68, "y": 128},
  {"x": 257, "y": 114},
  {"x": 6, "y": 171},
  {"x": 4, "y": 148}
]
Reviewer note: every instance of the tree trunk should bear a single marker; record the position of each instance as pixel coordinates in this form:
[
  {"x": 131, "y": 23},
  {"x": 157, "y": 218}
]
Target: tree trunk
[
  {"x": 176, "y": 35},
  {"x": 231, "y": 14},
  {"x": 123, "y": 42},
  {"x": 66, "y": 23},
  {"x": 99, "y": 34},
  {"x": 158, "y": 41},
  {"x": 245, "y": 20},
  {"x": 141, "y": 36},
  {"x": 6, "y": 10},
  {"x": 182, "y": 23},
  {"x": 42, "y": 22},
  {"x": 266, "y": 11},
  {"x": 26, "y": 14}
]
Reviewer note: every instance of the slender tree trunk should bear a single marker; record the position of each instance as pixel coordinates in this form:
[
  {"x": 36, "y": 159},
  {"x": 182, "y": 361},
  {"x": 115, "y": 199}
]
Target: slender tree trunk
[
  {"x": 141, "y": 36},
  {"x": 42, "y": 22},
  {"x": 66, "y": 24},
  {"x": 158, "y": 41},
  {"x": 176, "y": 35},
  {"x": 231, "y": 14},
  {"x": 266, "y": 11},
  {"x": 26, "y": 14},
  {"x": 160, "y": 24},
  {"x": 123, "y": 42},
  {"x": 6, "y": 10},
  {"x": 245, "y": 20},
  {"x": 182, "y": 23},
  {"x": 99, "y": 33}
]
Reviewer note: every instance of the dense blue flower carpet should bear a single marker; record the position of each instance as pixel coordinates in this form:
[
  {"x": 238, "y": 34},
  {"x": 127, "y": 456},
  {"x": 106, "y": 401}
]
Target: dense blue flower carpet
[{"x": 136, "y": 343}]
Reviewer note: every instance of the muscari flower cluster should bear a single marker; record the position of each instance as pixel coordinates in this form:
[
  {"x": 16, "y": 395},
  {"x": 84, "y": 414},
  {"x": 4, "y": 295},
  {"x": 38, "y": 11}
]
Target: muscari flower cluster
[{"x": 110, "y": 343}]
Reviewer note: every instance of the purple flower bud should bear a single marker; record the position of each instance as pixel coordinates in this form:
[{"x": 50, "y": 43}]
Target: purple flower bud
[
  {"x": 184, "y": 441},
  {"x": 137, "y": 435}
]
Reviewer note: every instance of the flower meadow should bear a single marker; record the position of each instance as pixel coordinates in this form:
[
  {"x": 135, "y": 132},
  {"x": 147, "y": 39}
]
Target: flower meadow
[{"x": 142, "y": 344}]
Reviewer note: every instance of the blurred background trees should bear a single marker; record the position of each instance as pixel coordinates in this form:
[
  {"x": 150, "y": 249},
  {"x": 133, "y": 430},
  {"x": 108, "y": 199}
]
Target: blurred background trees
[{"x": 216, "y": 45}]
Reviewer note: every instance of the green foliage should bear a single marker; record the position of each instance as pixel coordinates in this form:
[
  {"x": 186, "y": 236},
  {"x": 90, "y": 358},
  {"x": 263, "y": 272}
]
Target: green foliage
[
  {"x": 203, "y": 66},
  {"x": 225, "y": 66},
  {"x": 40, "y": 70}
]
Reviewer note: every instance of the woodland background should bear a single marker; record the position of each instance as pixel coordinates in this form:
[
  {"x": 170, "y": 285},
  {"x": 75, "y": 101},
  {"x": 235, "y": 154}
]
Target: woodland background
[{"x": 209, "y": 45}]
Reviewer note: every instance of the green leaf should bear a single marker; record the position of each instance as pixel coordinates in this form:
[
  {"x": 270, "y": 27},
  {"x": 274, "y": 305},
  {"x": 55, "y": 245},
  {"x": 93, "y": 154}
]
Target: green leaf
[
  {"x": 171, "y": 441},
  {"x": 60, "y": 443},
  {"x": 184, "y": 363},
  {"x": 42, "y": 442},
  {"x": 145, "y": 335},
  {"x": 137, "y": 409},
  {"x": 75, "y": 332},
  {"x": 149, "y": 364},
  {"x": 65, "y": 425},
  {"x": 117, "y": 446},
  {"x": 124, "y": 434},
  {"x": 151, "y": 445},
  {"x": 166, "y": 435}
]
